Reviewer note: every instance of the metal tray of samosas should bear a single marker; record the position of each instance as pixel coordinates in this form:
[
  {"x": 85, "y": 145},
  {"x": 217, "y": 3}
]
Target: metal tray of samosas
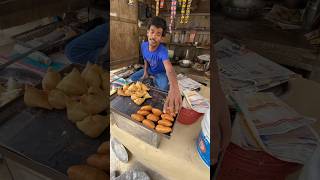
[
  {"x": 69, "y": 68},
  {"x": 124, "y": 106},
  {"x": 25, "y": 77},
  {"x": 47, "y": 137}
]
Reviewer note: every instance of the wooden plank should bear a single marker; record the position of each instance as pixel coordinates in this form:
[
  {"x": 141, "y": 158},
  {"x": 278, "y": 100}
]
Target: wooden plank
[
  {"x": 118, "y": 63},
  {"x": 124, "y": 35},
  {"x": 124, "y": 41},
  {"x": 128, "y": 11},
  {"x": 114, "y": 6},
  {"x": 116, "y": 18},
  {"x": 120, "y": 8}
]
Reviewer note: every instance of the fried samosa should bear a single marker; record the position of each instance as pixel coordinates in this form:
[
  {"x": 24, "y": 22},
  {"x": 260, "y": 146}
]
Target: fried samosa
[
  {"x": 120, "y": 92},
  {"x": 73, "y": 84},
  {"x": 76, "y": 111},
  {"x": 93, "y": 126},
  {"x": 134, "y": 97},
  {"x": 125, "y": 87},
  {"x": 95, "y": 101},
  {"x": 50, "y": 80},
  {"x": 57, "y": 99},
  {"x": 85, "y": 70},
  {"x": 144, "y": 87},
  {"x": 140, "y": 93},
  {"x": 147, "y": 96},
  {"x": 138, "y": 86},
  {"x": 34, "y": 97},
  {"x": 128, "y": 92},
  {"x": 139, "y": 101},
  {"x": 132, "y": 87},
  {"x": 92, "y": 76},
  {"x": 96, "y": 90}
]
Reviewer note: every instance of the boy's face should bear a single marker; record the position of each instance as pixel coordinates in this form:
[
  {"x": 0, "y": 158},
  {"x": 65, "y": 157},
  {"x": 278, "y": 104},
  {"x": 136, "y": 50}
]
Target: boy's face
[{"x": 154, "y": 36}]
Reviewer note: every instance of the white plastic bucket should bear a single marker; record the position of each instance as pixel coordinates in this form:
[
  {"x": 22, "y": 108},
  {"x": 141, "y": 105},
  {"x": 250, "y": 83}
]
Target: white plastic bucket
[{"x": 203, "y": 141}]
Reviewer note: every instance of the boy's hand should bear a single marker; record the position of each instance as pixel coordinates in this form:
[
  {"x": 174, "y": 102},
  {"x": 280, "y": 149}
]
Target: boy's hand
[
  {"x": 173, "y": 102},
  {"x": 145, "y": 76}
]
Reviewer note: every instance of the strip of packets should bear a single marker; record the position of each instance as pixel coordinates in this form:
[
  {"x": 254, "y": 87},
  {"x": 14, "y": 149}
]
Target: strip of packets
[{"x": 185, "y": 11}]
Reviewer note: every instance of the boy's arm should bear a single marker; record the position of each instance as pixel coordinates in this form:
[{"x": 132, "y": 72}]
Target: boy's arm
[
  {"x": 145, "y": 72},
  {"x": 174, "y": 100},
  {"x": 145, "y": 66}
]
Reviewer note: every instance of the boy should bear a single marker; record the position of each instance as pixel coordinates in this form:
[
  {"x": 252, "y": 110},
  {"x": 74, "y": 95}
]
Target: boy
[{"x": 157, "y": 64}]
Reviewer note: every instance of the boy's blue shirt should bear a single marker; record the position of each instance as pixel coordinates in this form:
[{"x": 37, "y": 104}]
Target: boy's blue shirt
[{"x": 155, "y": 58}]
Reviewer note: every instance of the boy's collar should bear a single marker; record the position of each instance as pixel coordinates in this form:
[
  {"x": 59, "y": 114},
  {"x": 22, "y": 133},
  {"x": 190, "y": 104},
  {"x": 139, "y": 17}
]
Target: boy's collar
[{"x": 154, "y": 49}]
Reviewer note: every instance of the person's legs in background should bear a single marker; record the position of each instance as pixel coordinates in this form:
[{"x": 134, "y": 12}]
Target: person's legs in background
[
  {"x": 87, "y": 46},
  {"x": 161, "y": 81},
  {"x": 137, "y": 75}
]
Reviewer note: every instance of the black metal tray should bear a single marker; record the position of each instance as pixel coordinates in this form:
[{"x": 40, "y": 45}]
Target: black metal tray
[
  {"x": 46, "y": 136},
  {"x": 22, "y": 76},
  {"x": 49, "y": 138},
  {"x": 124, "y": 106}
]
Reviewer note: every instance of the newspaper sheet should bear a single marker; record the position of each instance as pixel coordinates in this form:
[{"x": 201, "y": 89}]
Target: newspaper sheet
[
  {"x": 297, "y": 145},
  {"x": 196, "y": 101},
  {"x": 269, "y": 114},
  {"x": 284, "y": 133},
  {"x": 245, "y": 70},
  {"x": 186, "y": 83}
]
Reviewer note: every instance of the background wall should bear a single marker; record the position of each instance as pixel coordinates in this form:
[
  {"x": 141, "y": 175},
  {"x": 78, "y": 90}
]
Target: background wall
[
  {"x": 18, "y": 12},
  {"x": 124, "y": 39}
]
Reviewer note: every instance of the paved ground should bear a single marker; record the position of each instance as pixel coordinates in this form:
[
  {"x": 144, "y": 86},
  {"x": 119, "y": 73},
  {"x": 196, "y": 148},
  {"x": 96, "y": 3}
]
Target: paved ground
[{"x": 121, "y": 167}]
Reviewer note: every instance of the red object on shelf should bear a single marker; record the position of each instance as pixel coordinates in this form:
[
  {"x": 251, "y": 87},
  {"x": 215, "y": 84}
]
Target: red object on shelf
[
  {"x": 253, "y": 165},
  {"x": 188, "y": 116}
]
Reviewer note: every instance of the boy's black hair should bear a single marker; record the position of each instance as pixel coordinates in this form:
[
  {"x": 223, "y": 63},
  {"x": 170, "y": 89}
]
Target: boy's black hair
[{"x": 159, "y": 23}]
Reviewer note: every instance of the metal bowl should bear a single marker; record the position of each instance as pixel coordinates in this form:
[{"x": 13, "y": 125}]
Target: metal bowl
[
  {"x": 203, "y": 60},
  {"x": 185, "y": 63},
  {"x": 251, "y": 4},
  {"x": 242, "y": 9},
  {"x": 241, "y": 13}
]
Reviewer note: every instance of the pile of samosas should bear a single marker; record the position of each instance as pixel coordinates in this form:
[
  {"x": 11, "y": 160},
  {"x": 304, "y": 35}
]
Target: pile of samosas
[
  {"x": 138, "y": 92},
  {"x": 154, "y": 118},
  {"x": 83, "y": 95},
  {"x": 97, "y": 166}
]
